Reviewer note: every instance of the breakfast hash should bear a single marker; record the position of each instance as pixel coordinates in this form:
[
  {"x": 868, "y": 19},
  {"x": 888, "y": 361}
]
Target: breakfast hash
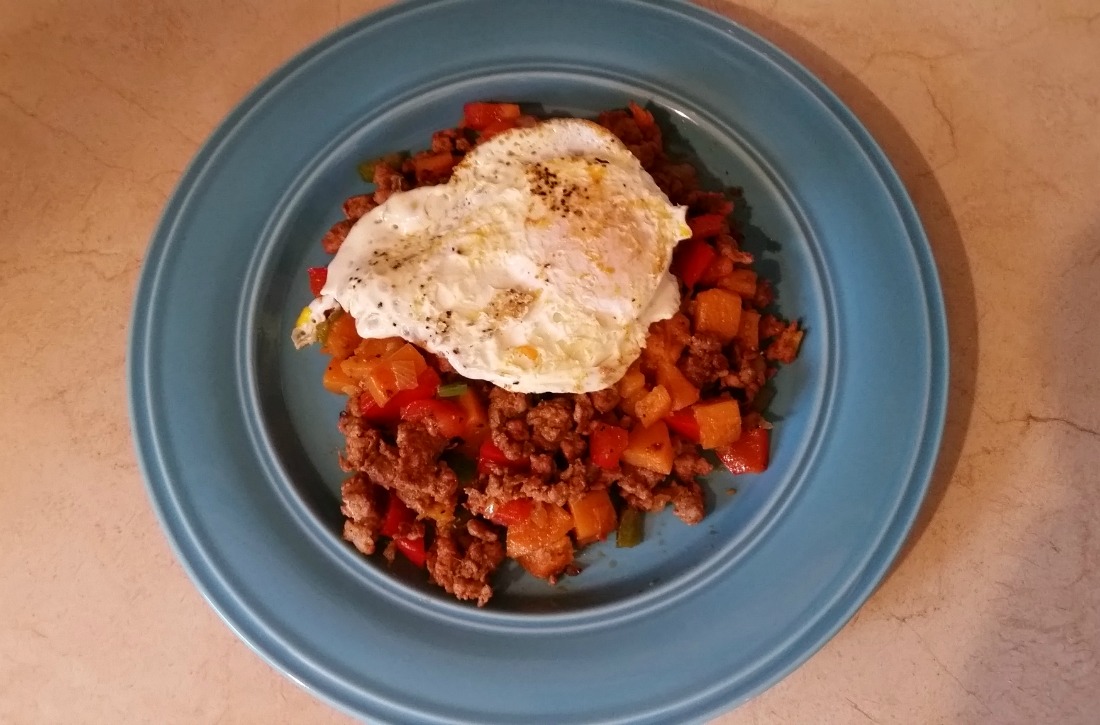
[{"x": 544, "y": 329}]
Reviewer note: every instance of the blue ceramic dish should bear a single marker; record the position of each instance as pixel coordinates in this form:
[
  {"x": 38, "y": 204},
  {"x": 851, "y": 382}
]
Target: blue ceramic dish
[{"x": 238, "y": 440}]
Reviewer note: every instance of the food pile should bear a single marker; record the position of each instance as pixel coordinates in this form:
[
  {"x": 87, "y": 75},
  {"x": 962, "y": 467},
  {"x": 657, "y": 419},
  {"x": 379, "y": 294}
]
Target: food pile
[{"x": 540, "y": 327}]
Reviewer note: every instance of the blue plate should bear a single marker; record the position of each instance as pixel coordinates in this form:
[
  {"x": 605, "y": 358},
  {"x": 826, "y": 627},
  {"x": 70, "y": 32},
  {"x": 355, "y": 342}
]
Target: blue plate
[{"x": 238, "y": 440}]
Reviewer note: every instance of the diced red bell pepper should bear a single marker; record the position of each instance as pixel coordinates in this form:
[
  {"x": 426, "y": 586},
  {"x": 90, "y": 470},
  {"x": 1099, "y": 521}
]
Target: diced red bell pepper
[
  {"x": 490, "y": 453},
  {"x": 480, "y": 116},
  {"x": 317, "y": 278},
  {"x": 712, "y": 202},
  {"x": 511, "y": 512},
  {"x": 397, "y": 513},
  {"x": 497, "y": 127},
  {"x": 606, "y": 445},
  {"x": 706, "y": 225},
  {"x": 683, "y": 422},
  {"x": 413, "y": 549},
  {"x": 642, "y": 117},
  {"x": 691, "y": 259},
  {"x": 448, "y": 415},
  {"x": 390, "y": 413},
  {"x": 748, "y": 454}
]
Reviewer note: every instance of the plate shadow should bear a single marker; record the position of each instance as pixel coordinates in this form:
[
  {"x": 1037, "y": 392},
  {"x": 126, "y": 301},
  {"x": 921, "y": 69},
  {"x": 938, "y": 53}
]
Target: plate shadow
[{"x": 940, "y": 225}]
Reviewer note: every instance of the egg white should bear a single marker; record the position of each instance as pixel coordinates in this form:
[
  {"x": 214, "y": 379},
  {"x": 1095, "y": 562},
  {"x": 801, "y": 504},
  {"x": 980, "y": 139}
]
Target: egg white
[{"x": 539, "y": 267}]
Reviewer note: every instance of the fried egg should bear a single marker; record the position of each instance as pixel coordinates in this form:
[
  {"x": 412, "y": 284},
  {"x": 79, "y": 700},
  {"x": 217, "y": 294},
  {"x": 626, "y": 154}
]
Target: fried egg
[{"x": 538, "y": 267}]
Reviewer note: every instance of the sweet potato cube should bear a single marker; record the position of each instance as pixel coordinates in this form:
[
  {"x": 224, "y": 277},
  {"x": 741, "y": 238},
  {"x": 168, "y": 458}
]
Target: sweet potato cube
[
  {"x": 719, "y": 422},
  {"x": 550, "y": 560},
  {"x": 718, "y": 312},
  {"x": 749, "y": 332},
  {"x": 593, "y": 516},
  {"x": 741, "y": 282},
  {"x": 651, "y": 448},
  {"x": 378, "y": 346},
  {"x": 632, "y": 387},
  {"x": 546, "y": 525},
  {"x": 342, "y": 337},
  {"x": 337, "y": 381},
  {"x": 666, "y": 339},
  {"x": 656, "y": 404},
  {"x": 679, "y": 388},
  {"x": 632, "y": 382}
]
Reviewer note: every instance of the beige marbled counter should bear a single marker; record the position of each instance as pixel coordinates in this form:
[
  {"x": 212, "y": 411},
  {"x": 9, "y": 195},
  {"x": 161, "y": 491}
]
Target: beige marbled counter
[{"x": 992, "y": 117}]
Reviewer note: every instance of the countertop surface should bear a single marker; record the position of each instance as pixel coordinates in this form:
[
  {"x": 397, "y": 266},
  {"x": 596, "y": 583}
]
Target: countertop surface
[{"x": 989, "y": 111}]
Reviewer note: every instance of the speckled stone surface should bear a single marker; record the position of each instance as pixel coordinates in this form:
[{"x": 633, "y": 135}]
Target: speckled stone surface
[{"x": 991, "y": 113}]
